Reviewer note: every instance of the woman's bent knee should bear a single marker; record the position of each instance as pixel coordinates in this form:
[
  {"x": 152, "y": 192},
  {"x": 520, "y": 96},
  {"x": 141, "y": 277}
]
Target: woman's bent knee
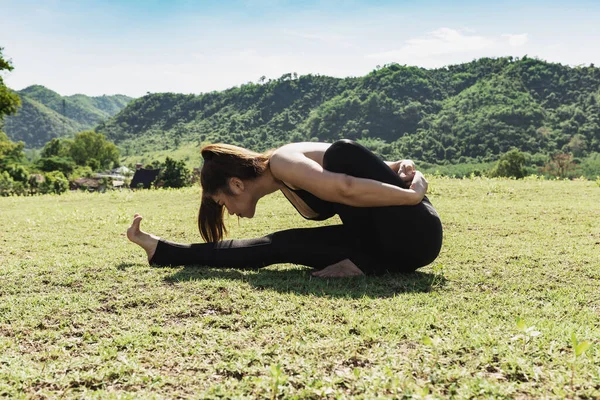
[
  {"x": 349, "y": 157},
  {"x": 342, "y": 155},
  {"x": 342, "y": 147}
]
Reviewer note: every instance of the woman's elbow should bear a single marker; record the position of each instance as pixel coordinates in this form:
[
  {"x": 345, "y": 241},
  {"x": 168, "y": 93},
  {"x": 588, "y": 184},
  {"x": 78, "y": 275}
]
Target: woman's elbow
[
  {"x": 345, "y": 190},
  {"x": 415, "y": 198}
]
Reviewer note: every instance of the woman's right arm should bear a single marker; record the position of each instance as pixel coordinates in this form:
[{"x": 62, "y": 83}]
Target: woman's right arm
[{"x": 300, "y": 171}]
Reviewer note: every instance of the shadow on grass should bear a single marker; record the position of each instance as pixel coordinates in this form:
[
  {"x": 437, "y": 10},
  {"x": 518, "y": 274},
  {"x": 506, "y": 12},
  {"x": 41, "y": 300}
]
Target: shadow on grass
[
  {"x": 126, "y": 265},
  {"x": 301, "y": 282}
]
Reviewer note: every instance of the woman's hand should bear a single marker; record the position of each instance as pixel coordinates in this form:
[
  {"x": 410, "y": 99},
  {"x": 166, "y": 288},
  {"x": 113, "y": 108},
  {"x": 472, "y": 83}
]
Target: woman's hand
[
  {"x": 406, "y": 170},
  {"x": 419, "y": 184}
]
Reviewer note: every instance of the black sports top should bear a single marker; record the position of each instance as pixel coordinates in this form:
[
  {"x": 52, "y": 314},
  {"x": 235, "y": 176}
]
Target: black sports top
[{"x": 314, "y": 208}]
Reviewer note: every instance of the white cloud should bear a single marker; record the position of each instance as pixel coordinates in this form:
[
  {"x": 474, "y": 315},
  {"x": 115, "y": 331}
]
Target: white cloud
[
  {"x": 439, "y": 42},
  {"x": 516, "y": 40}
]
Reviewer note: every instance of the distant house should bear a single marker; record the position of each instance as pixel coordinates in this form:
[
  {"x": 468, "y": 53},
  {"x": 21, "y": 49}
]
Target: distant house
[
  {"x": 122, "y": 170},
  {"x": 143, "y": 176},
  {"x": 91, "y": 184}
]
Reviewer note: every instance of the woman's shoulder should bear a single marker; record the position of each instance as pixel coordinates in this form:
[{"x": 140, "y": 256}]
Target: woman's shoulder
[
  {"x": 293, "y": 154},
  {"x": 287, "y": 161},
  {"x": 301, "y": 147}
]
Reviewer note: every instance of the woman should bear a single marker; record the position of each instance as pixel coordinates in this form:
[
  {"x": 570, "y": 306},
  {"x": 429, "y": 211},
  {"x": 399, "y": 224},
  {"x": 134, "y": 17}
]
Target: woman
[{"x": 388, "y": 225}]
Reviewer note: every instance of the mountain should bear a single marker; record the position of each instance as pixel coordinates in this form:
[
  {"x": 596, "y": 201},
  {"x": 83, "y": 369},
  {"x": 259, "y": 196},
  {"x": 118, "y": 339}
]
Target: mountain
[
  {"x": 470, "y": 112},
  {"x": 45, "y": 114}
]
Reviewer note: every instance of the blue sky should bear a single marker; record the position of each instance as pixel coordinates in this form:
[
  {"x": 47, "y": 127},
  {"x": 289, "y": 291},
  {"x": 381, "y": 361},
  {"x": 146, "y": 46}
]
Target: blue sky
[{"x": 132, "y": 47}]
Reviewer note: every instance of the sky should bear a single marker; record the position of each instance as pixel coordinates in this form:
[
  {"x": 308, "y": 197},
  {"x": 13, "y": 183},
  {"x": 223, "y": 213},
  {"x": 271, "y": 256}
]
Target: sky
[{"x": 97, "y": 47}]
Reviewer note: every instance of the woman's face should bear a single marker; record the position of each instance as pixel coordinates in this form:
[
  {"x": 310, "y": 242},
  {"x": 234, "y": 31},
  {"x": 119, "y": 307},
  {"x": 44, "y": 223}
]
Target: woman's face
[{"x": 240, "y": 202}]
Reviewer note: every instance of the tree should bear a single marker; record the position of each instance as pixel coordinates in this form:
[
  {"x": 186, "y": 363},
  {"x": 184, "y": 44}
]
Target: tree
[
  {"x": 577, "y": 145},
  {"x": 10, "y": 152},
  {"x": 9, "y": 101},
  {"x": 55, "y": 148},
  {"x": 91, "y": 148},
  {"x": 173, "y": 174},
  {"x": 561, "y": 165},
  {"x": 54, "y": 163},
  {"x": 511, "y": 164}
]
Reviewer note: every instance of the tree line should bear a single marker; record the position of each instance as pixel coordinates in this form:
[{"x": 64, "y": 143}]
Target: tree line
[
  {"x": 64, "y": 159},
  {"x": 470, "y": 113},
  {"x": 500, "y": 117},
  {"x": 60, "y": 159}
]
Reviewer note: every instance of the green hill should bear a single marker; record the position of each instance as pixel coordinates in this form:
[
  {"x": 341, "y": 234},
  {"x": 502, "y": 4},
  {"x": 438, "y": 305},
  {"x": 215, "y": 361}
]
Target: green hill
[
  {"x": 470, "y": 112},
  {"x": 45, "y": 114}
]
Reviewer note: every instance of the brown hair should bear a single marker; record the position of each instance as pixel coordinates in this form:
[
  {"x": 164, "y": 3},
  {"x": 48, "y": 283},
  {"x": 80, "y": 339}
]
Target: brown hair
[{"x": 222, "y": 162}]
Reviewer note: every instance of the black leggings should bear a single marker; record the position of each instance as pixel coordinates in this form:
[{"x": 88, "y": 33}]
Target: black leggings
[{"x": 376, "y": 239}]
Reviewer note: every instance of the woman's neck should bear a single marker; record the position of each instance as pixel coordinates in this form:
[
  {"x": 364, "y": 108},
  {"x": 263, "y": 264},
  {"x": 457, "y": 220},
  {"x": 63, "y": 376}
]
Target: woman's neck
[{"x": 266, "y": 184}]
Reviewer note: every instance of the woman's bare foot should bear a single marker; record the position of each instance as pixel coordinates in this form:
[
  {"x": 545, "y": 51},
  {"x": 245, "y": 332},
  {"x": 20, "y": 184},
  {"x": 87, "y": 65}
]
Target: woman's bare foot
[
  {"x": 342, "y": 269},
  {"x": 145, "y": 240}
]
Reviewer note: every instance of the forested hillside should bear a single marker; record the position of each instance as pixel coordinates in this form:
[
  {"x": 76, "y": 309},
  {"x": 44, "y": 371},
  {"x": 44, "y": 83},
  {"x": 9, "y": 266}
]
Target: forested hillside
[
  {"x": 44, "y": 114},
  {"x": 471, "y": 112}
]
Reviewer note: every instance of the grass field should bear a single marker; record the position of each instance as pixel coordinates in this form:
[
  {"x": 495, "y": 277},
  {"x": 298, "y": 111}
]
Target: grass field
[{"x": 83, "y": 315}]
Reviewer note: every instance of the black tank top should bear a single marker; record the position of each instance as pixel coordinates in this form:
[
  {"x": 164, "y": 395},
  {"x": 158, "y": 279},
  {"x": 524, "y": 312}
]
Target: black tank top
[{"x": 323, "y": 209}]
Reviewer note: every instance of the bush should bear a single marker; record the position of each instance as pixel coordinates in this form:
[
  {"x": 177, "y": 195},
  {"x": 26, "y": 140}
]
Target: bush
[
  {"x": 6, "y": 184},
  {"x": 81, "y": 172},
  {"x": 590, "y": 166},
  {"x": 10, "y": 186},
  {"x": 19, "y": 188},
  {"x": 173, "y": 174},
  {"x": 18, "y": 173},
  {"x": 55, "y": 182},
  {"x": 510, "y": 165},
  {"x": 455, "y": 170}
]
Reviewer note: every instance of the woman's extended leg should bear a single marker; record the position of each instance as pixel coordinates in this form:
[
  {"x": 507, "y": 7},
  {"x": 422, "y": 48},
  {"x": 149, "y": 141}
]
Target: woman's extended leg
[
  {"x": 313, "y": 247},
  {"x": 145, "y": 240},
  {"x": 410, "y": 234}
]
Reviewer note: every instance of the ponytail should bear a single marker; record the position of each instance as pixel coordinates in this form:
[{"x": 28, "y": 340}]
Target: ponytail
[{"x": 222, "y": 162}]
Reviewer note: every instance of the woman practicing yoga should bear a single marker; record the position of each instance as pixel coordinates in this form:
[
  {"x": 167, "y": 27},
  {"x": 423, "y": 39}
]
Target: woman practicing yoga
[{"x": 388, "y": 224}]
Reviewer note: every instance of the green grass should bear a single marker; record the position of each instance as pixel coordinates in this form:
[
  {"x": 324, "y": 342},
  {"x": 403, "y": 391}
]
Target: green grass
[{"x": 83, "y": 315}]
